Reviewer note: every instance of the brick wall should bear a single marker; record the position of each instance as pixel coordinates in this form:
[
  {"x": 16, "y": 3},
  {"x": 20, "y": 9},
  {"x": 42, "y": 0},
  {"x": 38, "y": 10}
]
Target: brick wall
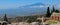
[{"x": 57, "y": 18}]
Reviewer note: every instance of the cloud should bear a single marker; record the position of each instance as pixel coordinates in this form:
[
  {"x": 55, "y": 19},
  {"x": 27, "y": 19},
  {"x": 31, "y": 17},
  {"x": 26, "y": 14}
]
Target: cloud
[
  {"x": 41, "y": 6},
  {"x": 57, "y": 6}
]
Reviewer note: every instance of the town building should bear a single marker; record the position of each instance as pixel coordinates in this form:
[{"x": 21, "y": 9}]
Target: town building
[
  {"x": 35, "y": 23},
  {"x": 43, "y": 18},
  {"x": 55, "y": 16}
]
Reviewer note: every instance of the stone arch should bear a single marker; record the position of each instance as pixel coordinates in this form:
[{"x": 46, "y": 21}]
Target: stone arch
[
  {"x": 4, "y": 23},
  {"x": 0, "y": 23}
]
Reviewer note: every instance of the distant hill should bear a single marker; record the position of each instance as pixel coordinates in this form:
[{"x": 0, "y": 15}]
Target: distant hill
[{"x": 26, "y": 10}]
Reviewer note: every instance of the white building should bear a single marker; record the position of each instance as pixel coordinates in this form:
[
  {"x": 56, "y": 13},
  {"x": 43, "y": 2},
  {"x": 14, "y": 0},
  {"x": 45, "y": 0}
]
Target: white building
[
  {"x": 23, "y": 23},
  {"x": 34, "y": 23},
  {"x": 14, "y": 24},
  {"x": 20, "y": 23}
]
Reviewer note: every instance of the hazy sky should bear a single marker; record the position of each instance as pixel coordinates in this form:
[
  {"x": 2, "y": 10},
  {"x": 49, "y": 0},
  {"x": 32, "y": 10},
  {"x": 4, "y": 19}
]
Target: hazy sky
[{"x": 17, "y": 3}]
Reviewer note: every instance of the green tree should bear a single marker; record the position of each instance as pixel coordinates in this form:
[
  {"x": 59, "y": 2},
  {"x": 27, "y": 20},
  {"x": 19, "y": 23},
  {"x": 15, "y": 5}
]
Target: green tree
[
  {"x": 32, "y": 19},
  {"x": 53, "y": 9},
  {"x": 5, "y": 18},
  {"x": 57, "y": 11},
  {"x": 48, "y": 12}
]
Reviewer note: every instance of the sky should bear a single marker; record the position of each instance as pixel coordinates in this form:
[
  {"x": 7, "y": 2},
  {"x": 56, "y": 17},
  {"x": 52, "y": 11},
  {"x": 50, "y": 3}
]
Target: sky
[{"x": 7, "y": 4}]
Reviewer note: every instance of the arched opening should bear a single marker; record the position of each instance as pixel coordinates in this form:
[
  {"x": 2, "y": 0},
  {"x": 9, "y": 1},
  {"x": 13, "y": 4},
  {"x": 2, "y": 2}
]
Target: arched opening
[
  {"x": 0, "y": 23},
  {"x": 4, "y": 23}
]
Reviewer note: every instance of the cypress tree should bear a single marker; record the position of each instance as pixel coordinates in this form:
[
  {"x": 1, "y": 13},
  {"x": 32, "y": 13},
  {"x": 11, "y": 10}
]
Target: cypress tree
[
  {"x": 48, "y": 12},
  {"x": 53, "y": 9},
  {"x": 5, "y": 18}
]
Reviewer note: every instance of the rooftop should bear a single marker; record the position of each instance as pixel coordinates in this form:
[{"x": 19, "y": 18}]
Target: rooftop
[{"x": 55, "y": 14}]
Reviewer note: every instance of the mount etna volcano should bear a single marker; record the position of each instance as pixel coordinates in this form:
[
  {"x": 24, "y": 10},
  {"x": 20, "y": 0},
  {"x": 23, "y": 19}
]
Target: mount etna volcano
[{"x": 37, "y": 8}]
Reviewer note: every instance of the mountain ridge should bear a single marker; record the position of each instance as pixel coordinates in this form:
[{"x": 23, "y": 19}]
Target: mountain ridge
[{"x": 25, "y": 10}]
